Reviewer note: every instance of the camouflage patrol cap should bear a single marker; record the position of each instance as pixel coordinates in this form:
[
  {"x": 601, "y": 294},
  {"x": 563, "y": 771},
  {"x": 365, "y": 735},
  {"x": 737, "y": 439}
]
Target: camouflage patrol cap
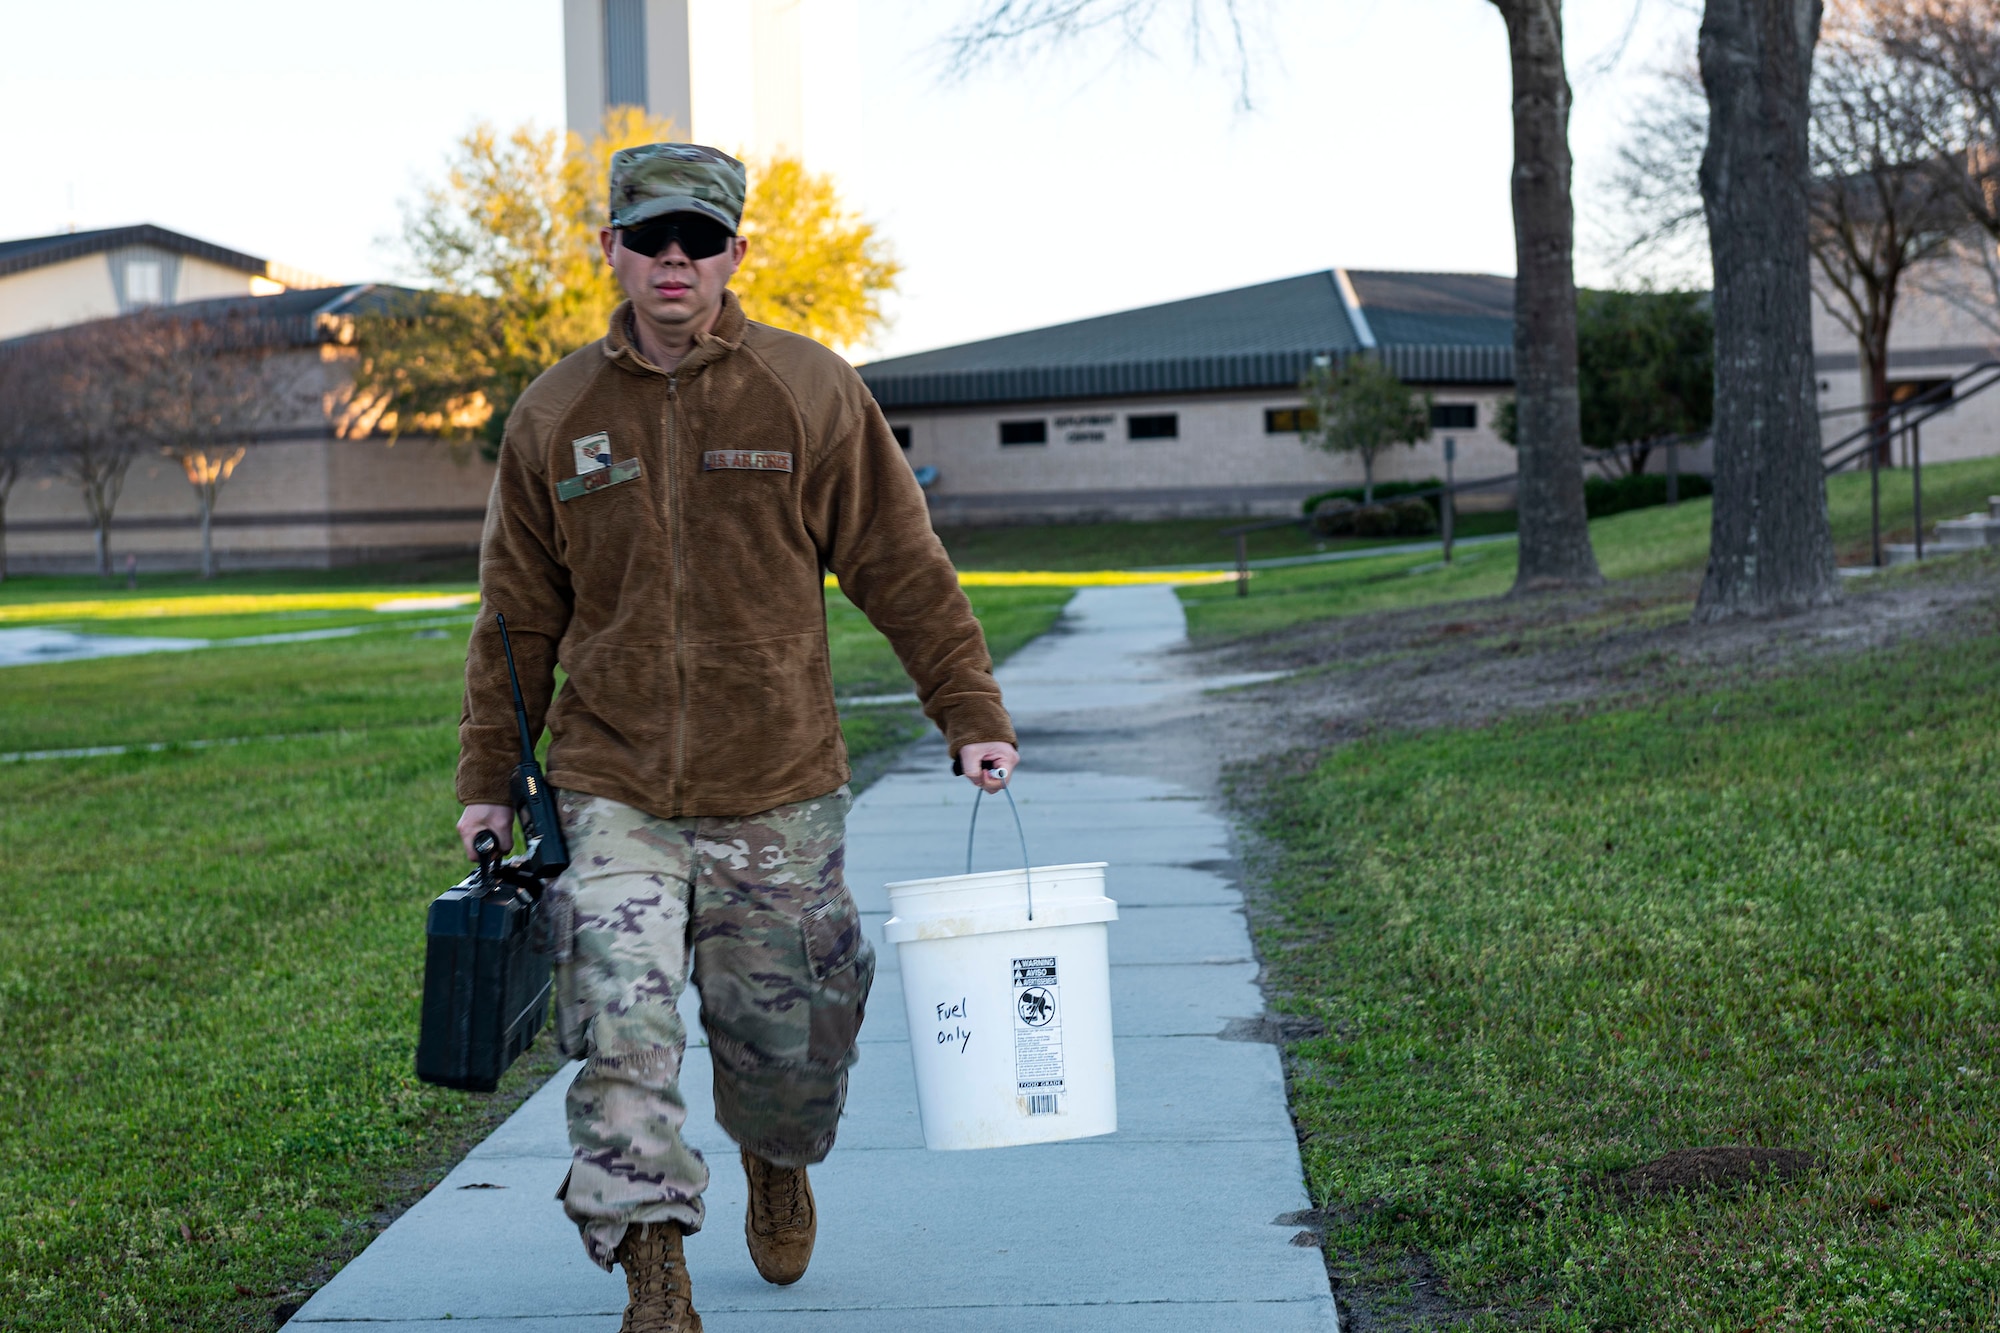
[{"x": 658, "y": 178}]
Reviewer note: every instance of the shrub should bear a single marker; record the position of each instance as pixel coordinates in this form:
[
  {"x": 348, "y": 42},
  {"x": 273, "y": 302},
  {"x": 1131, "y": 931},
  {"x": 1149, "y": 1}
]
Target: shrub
[
  {"x": 1398, "y": 518},
  {"x": 1374, "y": 521},
  {"x": 1603, "y": 496},
  {"x": 1384, "y": 491},
  {"x": 1414, "y": 518},
  {"x": 1334, "y": 517}
]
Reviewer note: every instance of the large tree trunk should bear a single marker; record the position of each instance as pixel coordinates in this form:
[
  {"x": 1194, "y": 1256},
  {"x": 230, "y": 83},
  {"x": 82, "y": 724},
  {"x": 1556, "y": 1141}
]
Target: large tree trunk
[
  {"x": 1770, "y": 545},
  {"x": 207, "y": 546},
  {"x": 1555, "y": 533}
]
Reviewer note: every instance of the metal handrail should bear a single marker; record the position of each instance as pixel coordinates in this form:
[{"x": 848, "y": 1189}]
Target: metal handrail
[
  {"x": 1911, "y": 412},
  {"x": 1888, "y": 420}
]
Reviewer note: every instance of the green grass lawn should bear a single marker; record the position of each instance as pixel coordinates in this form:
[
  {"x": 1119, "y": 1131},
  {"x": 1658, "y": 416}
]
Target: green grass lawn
[
  {"x": 210, "y": 961},
  {"x": 1562, "y": 946},
  {"x": 1659, "y": 541}
]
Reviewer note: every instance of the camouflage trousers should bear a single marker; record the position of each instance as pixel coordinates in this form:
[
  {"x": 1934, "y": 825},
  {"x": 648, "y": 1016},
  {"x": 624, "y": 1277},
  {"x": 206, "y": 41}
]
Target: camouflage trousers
[{"x": 756, "y": 911}]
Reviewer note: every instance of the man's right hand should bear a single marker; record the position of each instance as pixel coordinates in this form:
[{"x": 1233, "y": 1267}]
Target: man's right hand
[{"x": 499, "y": 818}]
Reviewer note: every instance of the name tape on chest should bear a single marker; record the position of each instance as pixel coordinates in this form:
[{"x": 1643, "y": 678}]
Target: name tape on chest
[
  {"x": 745, "y": 460},
  {"x": 596, "y": 480}
]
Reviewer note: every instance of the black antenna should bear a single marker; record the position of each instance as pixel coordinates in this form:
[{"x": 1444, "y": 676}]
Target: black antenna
[
  {"x": 520, "y": 708},
  {"x": 547, "y": 854}
]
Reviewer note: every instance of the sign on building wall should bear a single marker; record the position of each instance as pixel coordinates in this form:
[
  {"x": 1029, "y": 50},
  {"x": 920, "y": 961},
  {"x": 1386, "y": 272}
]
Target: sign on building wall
[{"x": 1091, "y": 428}]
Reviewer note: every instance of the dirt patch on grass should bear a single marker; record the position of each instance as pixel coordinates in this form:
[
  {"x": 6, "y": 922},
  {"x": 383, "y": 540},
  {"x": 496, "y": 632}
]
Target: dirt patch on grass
[
  {"x": 1691, "y": 1170},
  {"x": 1466, "y": 663},
  {"x": 1400, "y": 1293}
]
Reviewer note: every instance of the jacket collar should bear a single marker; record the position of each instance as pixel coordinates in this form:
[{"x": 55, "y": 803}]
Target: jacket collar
[{"x": 621, "y": 346}]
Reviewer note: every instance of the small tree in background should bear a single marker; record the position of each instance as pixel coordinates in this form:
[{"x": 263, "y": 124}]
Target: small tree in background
[
  {"x": 505, "y": 248},
  {"x": 24, "y": 424},
  {"x": 510, "y": 288},
  {"x": 813, "y": 267},
  {"x": 1646, "y": 369},
  {"x": 207, "y": 388},
  {"x": 96, "y": 413},
  {"x": 1360, "y": 407}
]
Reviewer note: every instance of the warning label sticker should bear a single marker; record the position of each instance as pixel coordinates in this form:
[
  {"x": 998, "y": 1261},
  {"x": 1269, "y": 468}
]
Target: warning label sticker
[{"x": 1038, "y": 1051}]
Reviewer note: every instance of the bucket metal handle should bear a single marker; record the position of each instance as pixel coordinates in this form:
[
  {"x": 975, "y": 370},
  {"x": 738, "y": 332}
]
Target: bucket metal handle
[{"x": 1020, "y": 832}]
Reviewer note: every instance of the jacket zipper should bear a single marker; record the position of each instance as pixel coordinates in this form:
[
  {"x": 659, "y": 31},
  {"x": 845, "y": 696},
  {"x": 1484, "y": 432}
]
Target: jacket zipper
[{"x": 680, "y": 583}]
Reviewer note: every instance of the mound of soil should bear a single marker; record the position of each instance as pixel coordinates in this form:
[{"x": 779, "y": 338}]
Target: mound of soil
[{"x": 1692, "y": 1169}]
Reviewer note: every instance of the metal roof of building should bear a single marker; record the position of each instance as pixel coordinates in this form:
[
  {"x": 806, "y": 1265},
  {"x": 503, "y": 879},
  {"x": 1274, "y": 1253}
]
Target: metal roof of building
[
  {"x": 38, "y": 251},
  {"x": 303, "y": 317},
  {"x": 1435, "y": 328}
]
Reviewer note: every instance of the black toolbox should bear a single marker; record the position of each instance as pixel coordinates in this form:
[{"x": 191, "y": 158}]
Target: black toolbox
[{"x": 486, "y": 988}]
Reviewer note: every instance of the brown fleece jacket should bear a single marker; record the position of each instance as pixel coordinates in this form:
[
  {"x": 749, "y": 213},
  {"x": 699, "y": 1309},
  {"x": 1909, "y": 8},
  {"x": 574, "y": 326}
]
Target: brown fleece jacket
[{"x": 686, "y": 603}]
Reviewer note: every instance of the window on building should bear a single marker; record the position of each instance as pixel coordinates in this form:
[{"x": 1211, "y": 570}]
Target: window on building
[
  {"x": 1154, "y": 426},
  {"x": 143, "y": 284},
  {"x": 1933, "y": 391},
  {"x": 1289, "y": 420},
  {"x": 1024, "y": 432},
  {"x": 902, "y": 434},
  {"x": 625, "y": 52},
  {"x": 1454, "y": 416}
]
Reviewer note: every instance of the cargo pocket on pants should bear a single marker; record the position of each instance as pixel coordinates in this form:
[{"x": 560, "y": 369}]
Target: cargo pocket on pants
[
  {"x": 843, "y": 968},
  {"x": 572, "y": 1013}
]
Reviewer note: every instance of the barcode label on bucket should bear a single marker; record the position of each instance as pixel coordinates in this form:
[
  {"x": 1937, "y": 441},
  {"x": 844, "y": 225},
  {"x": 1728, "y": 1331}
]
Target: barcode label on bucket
[{"x": 1038, "y": 1052}]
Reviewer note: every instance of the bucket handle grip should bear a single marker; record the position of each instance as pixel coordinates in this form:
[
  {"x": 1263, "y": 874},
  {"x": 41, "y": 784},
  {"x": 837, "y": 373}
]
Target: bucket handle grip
[{"x": 1026, "y": 874}]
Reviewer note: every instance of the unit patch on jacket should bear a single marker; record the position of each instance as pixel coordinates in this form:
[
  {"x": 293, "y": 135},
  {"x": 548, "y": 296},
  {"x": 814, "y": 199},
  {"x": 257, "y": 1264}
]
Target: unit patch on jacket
[
  {"x": 596, "y": 480},
  {"x": 746, "y": 460},
  {"x": 592, "y": 452}
]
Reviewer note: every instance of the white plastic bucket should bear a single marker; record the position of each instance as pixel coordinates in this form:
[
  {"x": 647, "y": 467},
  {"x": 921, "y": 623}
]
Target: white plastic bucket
[{"x": 1010, "y": 1018}]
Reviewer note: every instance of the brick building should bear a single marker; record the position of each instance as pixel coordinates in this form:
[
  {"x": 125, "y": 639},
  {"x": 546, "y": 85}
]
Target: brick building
[
  {"x": 1191, "y": 408},
  {"x": 314, "y": 489}
]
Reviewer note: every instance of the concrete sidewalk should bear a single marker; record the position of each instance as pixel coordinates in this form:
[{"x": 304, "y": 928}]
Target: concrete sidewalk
[{"x": 1173, "y": 1223}]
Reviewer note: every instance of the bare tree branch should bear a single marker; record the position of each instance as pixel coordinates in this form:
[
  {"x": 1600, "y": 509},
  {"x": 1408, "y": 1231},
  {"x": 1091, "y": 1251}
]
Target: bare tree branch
[
  {"x": 1879, "y": 210},
  {"x": 210, "y": 386},
  {"x": 1028, "y": 28},
  {"x": 97, "y": 407},
  {"x": 1656, "y": 182},
  {"x": 1953, "y": 48}
]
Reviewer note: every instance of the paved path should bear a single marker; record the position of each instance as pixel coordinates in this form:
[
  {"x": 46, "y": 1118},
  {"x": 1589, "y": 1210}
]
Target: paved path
[{"x": 1171, "y": 1224}]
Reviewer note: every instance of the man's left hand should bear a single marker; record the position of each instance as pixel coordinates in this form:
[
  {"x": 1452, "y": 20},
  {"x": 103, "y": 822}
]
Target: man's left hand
[{"x": 974, "y": 758}]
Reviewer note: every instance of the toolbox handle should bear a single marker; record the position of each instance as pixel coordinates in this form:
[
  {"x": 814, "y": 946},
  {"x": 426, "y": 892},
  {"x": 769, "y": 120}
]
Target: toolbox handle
[{"x": 487, "y": 848}]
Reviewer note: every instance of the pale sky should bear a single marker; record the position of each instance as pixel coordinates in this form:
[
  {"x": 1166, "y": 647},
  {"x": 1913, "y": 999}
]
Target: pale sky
[{"x": 1031, "y": 193}]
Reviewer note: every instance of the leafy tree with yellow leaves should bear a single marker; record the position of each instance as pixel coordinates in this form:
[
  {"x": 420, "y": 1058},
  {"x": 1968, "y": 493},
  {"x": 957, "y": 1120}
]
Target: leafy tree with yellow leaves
[
  {"x": 813, "y": 267},
  {"x": 512, "y": 280}
]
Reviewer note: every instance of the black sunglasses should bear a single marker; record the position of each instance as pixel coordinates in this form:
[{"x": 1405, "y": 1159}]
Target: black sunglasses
[{"x": 700, "y": 236}]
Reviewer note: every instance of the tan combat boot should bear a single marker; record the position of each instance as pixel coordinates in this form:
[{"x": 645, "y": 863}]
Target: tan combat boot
[
  {"x": 780, "y": 1223},
  {"x": 659, "y": 1296}
]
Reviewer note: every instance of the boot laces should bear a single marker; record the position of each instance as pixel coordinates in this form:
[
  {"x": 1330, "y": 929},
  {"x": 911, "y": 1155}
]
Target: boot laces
[
  {"x": 655, "y": 1281},
  {"x": 785, "y": 1207}
]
